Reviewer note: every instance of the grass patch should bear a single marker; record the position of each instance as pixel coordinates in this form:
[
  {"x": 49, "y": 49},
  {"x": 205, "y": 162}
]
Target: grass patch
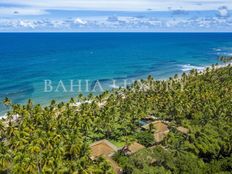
[{"x": 118, "y": 143}]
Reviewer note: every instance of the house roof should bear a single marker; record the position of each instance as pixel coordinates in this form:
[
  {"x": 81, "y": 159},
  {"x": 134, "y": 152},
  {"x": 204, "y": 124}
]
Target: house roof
[
  {"x": 160, "y": 136},
  {"x": 183, "y": 130},
  {"x": 102, "y": 148},
  {"x": 158, "y": 125},
  {"x": 134, "y": 147},
  {"x": 106, "y": 149},
  {"x": 161, "y": 130}
]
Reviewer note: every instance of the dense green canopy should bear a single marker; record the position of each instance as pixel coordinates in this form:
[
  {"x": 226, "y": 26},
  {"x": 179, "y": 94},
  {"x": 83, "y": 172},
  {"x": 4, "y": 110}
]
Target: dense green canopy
[{"x": 56, "y": 138}]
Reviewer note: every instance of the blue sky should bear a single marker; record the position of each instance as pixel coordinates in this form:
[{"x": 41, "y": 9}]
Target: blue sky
[{"x": 116, "y": 15}]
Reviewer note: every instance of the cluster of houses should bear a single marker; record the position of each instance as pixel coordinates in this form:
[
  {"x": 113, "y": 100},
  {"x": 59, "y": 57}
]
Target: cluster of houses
[{"x": 106, "y": 149}]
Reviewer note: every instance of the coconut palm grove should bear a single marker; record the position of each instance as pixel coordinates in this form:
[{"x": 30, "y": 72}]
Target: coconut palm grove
[{"x": 57, "y": 138}]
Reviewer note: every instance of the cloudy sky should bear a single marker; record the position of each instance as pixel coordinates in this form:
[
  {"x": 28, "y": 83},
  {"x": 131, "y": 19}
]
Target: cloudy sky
[{"x": 116, "y": 15}]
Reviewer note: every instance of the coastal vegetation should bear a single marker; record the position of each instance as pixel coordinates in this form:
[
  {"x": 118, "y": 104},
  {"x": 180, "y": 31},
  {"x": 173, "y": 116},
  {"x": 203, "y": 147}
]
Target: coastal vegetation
[
  {"x": 225, "y": 59},
  {"x": 57, "y": 138}
]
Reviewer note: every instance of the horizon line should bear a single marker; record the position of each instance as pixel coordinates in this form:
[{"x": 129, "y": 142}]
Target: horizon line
[{"x": 115, "y": 32}]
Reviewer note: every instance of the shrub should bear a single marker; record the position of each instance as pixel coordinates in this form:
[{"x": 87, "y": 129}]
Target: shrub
[{"x": 145, "y": 138}]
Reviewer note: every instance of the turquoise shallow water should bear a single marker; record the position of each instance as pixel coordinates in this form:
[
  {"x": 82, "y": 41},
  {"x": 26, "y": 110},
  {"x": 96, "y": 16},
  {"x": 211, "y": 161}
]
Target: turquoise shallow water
[{"x": 27, "y": 59}]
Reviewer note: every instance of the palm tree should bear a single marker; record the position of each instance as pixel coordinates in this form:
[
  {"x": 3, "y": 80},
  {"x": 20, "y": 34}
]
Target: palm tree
[
  {"x": 7, "y": 101},
  {"x": 29, "y": 105}
]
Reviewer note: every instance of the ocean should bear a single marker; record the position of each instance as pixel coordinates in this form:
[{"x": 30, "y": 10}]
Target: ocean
[{"x": 42, "y": 66}]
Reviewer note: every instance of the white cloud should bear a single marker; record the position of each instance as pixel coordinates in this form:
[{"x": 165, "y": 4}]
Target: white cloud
[
  {"x": 79, "y": 21},
  {"x": 161, "y": 24},
  {"x": 58, "y": 23},
  {"x": 118, "y": 23},
  {"x": 32, "y": 24},
  {"x": 126, "y": 5},
  {"x": 179, "y": 12},
  {"x": 21, "y": 11},
  {"x": 172, "y": 23},
  {"x": 27, "y": 24},
  {"x": 112, "y": 19},
  {"x": 223, "y": 11},
  {"x": 204, "y": 22}
]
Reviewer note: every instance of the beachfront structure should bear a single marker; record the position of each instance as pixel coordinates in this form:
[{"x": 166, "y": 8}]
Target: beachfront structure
[{"x": 160, "y": 129}]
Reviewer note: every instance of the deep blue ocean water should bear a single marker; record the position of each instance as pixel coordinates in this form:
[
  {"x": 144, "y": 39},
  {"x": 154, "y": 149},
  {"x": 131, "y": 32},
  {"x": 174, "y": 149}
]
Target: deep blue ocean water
[{"x": 27, "y": 59}]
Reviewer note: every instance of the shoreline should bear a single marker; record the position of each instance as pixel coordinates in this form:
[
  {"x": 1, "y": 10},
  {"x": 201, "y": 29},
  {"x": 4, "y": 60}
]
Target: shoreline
[{"x": 201, "y": 70}]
